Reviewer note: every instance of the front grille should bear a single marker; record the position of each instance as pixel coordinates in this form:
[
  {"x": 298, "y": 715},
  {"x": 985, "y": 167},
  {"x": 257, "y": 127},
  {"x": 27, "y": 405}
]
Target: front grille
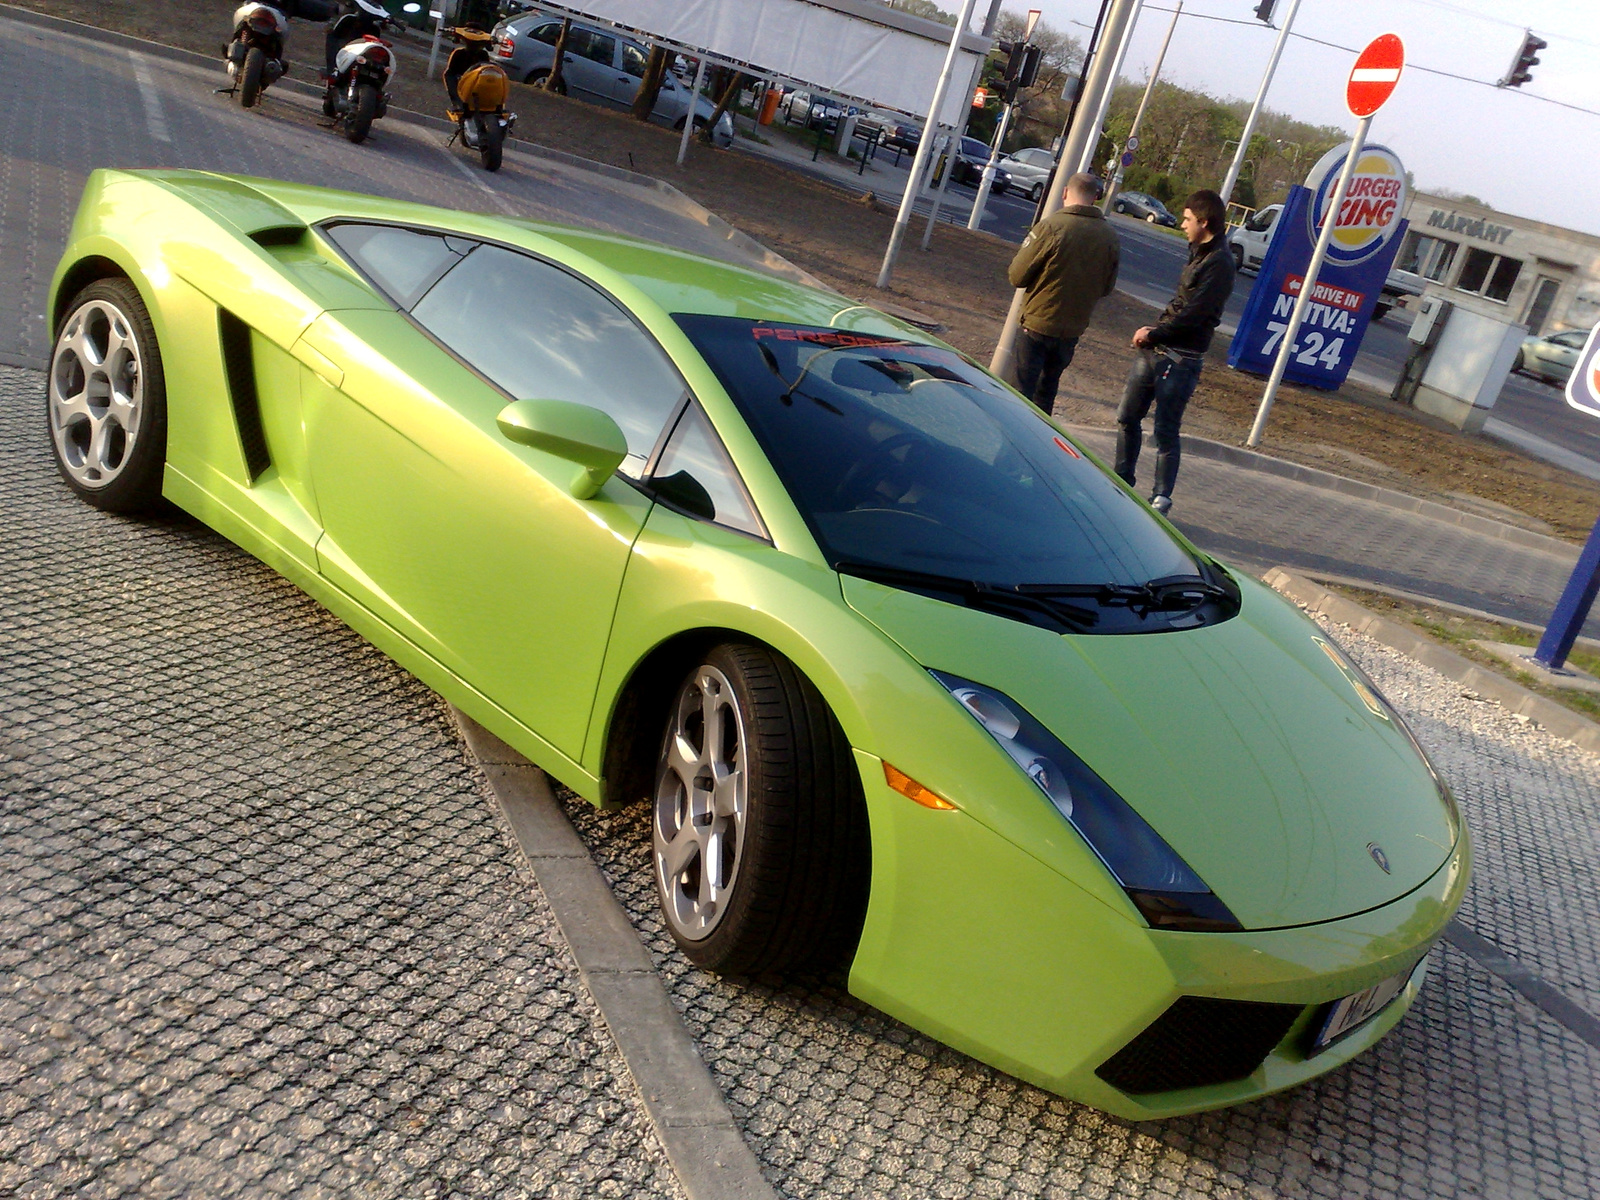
[{"x": 1197, "y": 1042}]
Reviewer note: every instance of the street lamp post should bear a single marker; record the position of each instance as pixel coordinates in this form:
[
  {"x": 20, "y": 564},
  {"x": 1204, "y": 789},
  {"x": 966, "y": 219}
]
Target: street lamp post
[
  {"x": 1144, "y": 103},
  {"x": 1255, "y": 109}
]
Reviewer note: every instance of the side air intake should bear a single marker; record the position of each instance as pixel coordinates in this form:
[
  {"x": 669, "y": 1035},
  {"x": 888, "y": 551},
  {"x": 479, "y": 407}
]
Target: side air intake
[{"x": 234, "y": 336}]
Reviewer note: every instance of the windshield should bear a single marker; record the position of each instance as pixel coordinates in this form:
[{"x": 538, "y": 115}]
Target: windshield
[{"x": 906, "y": 458}]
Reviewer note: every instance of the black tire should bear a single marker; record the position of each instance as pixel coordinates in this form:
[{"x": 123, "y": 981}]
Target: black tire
[
  {"x": 1380, "y": 311},
  {"x": 359, "y": 122},
  {"x": 1119, "y": 207},
  {"x": 490, "y": 142},
  {"x": 113, "y": 464},
  {"x": 1037, "y": 193},
  {"x": 1238, "y": 258},
  {"x": 797, "y": 875},
  {"x": 255, "y": 65},
  {"x": 1152, "y": 219},
  {"x": 537, "y": 79},
  {"x": 1517, "y": 363}
]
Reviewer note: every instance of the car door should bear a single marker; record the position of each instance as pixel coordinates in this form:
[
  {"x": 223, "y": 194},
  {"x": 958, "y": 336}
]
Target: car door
[
  {"x": 1561, "y": 353},
  {"x": 589, "y": 66},
  {"x": 469, "y": 545}
]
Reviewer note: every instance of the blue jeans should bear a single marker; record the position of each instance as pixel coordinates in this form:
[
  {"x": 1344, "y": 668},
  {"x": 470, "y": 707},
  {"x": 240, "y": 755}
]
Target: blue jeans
[
  {"x": 1040, "y": 361},
  {"x": 1155, "y": 379}
]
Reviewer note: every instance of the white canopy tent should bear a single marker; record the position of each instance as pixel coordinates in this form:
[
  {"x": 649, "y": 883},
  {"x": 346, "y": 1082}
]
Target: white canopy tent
[{"x": 859, "y": 51}]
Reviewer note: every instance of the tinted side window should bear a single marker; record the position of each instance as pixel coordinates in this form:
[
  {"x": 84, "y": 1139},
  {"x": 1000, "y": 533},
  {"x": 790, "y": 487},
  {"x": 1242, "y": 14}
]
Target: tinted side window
[
  {"x": 402, "y": 262},
  {"x": 695, "y": 474},
  {"x": 633, "y": 60},
  {"x": 596, "y": 46},
  {"x": 547, "y": 33},
  {"x": 541, "y": 333}
]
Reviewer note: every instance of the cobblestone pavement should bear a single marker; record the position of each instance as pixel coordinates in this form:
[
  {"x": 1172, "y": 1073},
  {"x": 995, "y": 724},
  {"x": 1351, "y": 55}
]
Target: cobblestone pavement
[
  {"x": 1476, "y": 1094},
  {"x": 261, "y": 933}
]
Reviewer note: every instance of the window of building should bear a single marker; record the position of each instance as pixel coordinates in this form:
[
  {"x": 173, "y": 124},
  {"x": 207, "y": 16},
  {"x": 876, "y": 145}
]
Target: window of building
[
  {"x": 1489, "y": 275},
  {"x": 1426, "y": 256}
]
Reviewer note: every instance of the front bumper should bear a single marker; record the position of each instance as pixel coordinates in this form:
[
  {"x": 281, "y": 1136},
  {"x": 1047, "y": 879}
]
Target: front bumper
[{"x": 980, "y": 945}]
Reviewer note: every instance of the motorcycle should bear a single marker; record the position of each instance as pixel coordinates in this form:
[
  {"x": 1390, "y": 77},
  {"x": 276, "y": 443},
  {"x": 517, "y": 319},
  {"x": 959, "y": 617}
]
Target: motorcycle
[
  {"x": 476, "y": 90},
  {"x": 360, "y": 66},
  {"x": 255, "y": 55}
]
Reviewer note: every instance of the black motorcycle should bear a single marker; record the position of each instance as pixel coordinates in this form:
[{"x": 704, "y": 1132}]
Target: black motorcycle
[{"x": 359, "y": 66}]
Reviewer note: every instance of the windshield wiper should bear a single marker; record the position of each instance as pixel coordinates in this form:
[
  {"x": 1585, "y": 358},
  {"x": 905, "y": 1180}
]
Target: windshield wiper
[{"x": 1002, "y": 600}]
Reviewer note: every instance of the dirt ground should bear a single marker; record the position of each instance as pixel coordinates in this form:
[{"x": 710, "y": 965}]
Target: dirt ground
[{"x": 961, "y": 283}]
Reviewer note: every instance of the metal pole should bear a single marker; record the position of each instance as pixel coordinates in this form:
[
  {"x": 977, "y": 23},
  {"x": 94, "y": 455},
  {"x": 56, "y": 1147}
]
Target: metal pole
[
  {"x": 935, "y": 109},
  {"x": 1101, "y": 74},
  {"x": 1144, "y": 103},
  {"x": 1576, "y": 600},
  {"x": 438, "y": 32},
  {"x": 1086, "y": 160},
  {"x": 1255, "y": 109},
  {"x": 938, "y": 200},
  {"x": 987, "y": 182},
  {"x": 1309, "y": 284},
  {"x": 694, "y": 103}
]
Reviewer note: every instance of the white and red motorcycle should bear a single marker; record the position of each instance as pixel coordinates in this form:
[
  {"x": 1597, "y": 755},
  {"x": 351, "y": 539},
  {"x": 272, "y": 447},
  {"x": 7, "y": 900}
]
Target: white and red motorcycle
[
  {"x": 360, "y": 66},
  {"x": 254, "y": 57}
]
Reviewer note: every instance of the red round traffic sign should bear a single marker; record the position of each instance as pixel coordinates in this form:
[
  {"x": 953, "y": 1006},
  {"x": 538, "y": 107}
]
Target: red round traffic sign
[{"x": 1375, "y": 74}]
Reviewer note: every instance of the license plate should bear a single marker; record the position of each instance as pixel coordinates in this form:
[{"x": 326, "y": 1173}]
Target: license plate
[{"x": 1346, "y": 1014}]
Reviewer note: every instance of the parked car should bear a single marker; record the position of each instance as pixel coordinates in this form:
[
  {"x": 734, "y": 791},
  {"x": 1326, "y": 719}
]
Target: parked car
[
  {"x": 1552, "y": 357},
  {"x": 600, "y": 65},
  {"x": 1148, "y": 208},
  {"x": 1030, "y": 170},
  {"x": 902, "y": 137},
  {"x": 904, "y": 679},
  {"x": 970, "y": 159},
  {"x": 811, "y": 110}
]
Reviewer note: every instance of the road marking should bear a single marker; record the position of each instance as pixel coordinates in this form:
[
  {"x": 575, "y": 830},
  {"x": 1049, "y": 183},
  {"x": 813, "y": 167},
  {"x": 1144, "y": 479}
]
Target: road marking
[
  {"x": 505, "y": 205},
  {"x": 154, "y": 115},
  {"x": 1553, "y": 1003}
]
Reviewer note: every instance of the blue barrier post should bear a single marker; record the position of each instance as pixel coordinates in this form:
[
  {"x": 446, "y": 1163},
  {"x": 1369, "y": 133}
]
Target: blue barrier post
[{"x": 1573, "y": 607}]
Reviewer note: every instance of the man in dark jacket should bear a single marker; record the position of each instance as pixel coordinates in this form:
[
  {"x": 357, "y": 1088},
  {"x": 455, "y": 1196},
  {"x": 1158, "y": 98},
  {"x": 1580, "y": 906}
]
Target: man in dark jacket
[
  {"x": 1067, "y": 263},
  {"x": 1172, "y": 350}
]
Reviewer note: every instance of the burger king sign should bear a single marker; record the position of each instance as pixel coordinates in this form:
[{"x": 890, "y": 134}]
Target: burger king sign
[
  {"x": 1366, "y": 236},
  {"x": 1370, "y": 214}
]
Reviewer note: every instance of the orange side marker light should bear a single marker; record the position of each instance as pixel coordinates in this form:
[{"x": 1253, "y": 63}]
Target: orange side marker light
[{"x": 911, "y": 789}]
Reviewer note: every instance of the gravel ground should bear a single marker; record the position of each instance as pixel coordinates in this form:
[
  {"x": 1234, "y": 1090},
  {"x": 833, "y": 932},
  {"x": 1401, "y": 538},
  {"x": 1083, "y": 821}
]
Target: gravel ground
[{"x": 1476, "y": 1094}]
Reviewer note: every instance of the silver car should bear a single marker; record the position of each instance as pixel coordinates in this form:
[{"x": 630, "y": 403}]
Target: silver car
[
  {"x": 1551, "y": 358},
  {"x": 1030, "y": 170},
  {"x": 600, "y": 65}
]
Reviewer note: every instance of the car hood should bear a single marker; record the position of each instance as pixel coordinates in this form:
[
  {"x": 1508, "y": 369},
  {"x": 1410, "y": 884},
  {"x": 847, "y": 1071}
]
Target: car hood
[{"x": 1243, "y": 744}]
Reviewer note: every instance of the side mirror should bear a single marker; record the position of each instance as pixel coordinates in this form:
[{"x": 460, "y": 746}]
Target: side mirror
[{"x": 575, "y": 432}]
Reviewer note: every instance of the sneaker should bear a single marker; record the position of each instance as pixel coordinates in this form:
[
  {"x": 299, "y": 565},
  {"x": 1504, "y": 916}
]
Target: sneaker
[{"x": 1162, "y": 504}]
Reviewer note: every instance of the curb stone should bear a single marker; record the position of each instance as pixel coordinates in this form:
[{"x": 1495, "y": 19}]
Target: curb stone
[
  {"x": 704, "y": 1145},
  {"x": 1517, "y": 700}
]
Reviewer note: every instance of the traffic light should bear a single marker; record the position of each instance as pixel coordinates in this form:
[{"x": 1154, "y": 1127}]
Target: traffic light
[
  {"x": 1527, "y": 58},
  {"x": 1022, "y": 67},
  {"x": 1264, "y": 10}
]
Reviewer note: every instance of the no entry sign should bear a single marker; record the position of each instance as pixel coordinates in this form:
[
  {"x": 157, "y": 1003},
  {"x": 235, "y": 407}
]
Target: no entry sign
[{"x": 1375, "y": 74}]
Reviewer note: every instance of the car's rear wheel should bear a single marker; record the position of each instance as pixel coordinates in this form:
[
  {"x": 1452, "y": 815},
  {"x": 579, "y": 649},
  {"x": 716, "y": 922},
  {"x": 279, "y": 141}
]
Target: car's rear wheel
[
  {"x": 539, "y": 79},
  {"x": 107, "y": 401},
  {"x": 1119, "y": 206},
  {"x": 759, "y": 830},
  {"x": 1036, "y": 193}
]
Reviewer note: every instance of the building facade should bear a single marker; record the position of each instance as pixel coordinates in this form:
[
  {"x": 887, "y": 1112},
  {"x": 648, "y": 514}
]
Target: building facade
[{"x": 1546, "y": 277}]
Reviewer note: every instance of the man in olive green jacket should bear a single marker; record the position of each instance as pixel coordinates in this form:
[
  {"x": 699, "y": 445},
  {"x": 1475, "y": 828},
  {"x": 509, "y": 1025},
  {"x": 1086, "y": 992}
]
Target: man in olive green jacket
[{"x": 1067, "y": 262}]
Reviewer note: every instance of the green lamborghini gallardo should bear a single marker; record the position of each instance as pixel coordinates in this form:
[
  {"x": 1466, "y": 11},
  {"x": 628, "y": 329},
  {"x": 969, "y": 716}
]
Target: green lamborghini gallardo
[{"x": 908, "y": 680}]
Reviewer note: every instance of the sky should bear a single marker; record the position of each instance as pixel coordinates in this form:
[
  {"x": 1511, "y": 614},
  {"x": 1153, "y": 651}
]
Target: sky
[{"x": 1518, "y": 153}]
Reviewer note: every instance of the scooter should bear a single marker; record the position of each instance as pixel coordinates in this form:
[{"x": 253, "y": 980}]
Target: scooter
[
  {"x": 476, "y": 91},
  {"x": 359, "y": 69},
  {"x": 254, "y": 57}
]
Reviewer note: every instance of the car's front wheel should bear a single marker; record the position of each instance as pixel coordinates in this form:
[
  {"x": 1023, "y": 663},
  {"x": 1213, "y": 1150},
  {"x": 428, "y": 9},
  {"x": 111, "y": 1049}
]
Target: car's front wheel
[
  {"x": 107, "y": 399},
  {"x": 759, "y": 832},
  {"x": 1518, "y": 363}
]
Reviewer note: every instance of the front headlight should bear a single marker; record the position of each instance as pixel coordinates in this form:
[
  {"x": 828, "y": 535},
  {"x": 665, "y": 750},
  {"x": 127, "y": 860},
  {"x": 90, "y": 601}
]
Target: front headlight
[{"x": 1163, "y": 887}]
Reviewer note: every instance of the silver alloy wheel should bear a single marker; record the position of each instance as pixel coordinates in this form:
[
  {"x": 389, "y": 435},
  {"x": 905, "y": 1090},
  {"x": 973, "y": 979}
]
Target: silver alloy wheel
[
  {"x": 96, "y": 393},
  {"x": 701, "y": 804}
]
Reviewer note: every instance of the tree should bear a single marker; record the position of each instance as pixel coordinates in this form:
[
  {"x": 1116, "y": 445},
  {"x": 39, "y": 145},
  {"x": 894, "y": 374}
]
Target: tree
[
  {"x": 729, "y": 95},
  {"x": 925, "y": 9},
  {"x": 553, "y": 81},
  {"x": 644, "y": 100}
]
